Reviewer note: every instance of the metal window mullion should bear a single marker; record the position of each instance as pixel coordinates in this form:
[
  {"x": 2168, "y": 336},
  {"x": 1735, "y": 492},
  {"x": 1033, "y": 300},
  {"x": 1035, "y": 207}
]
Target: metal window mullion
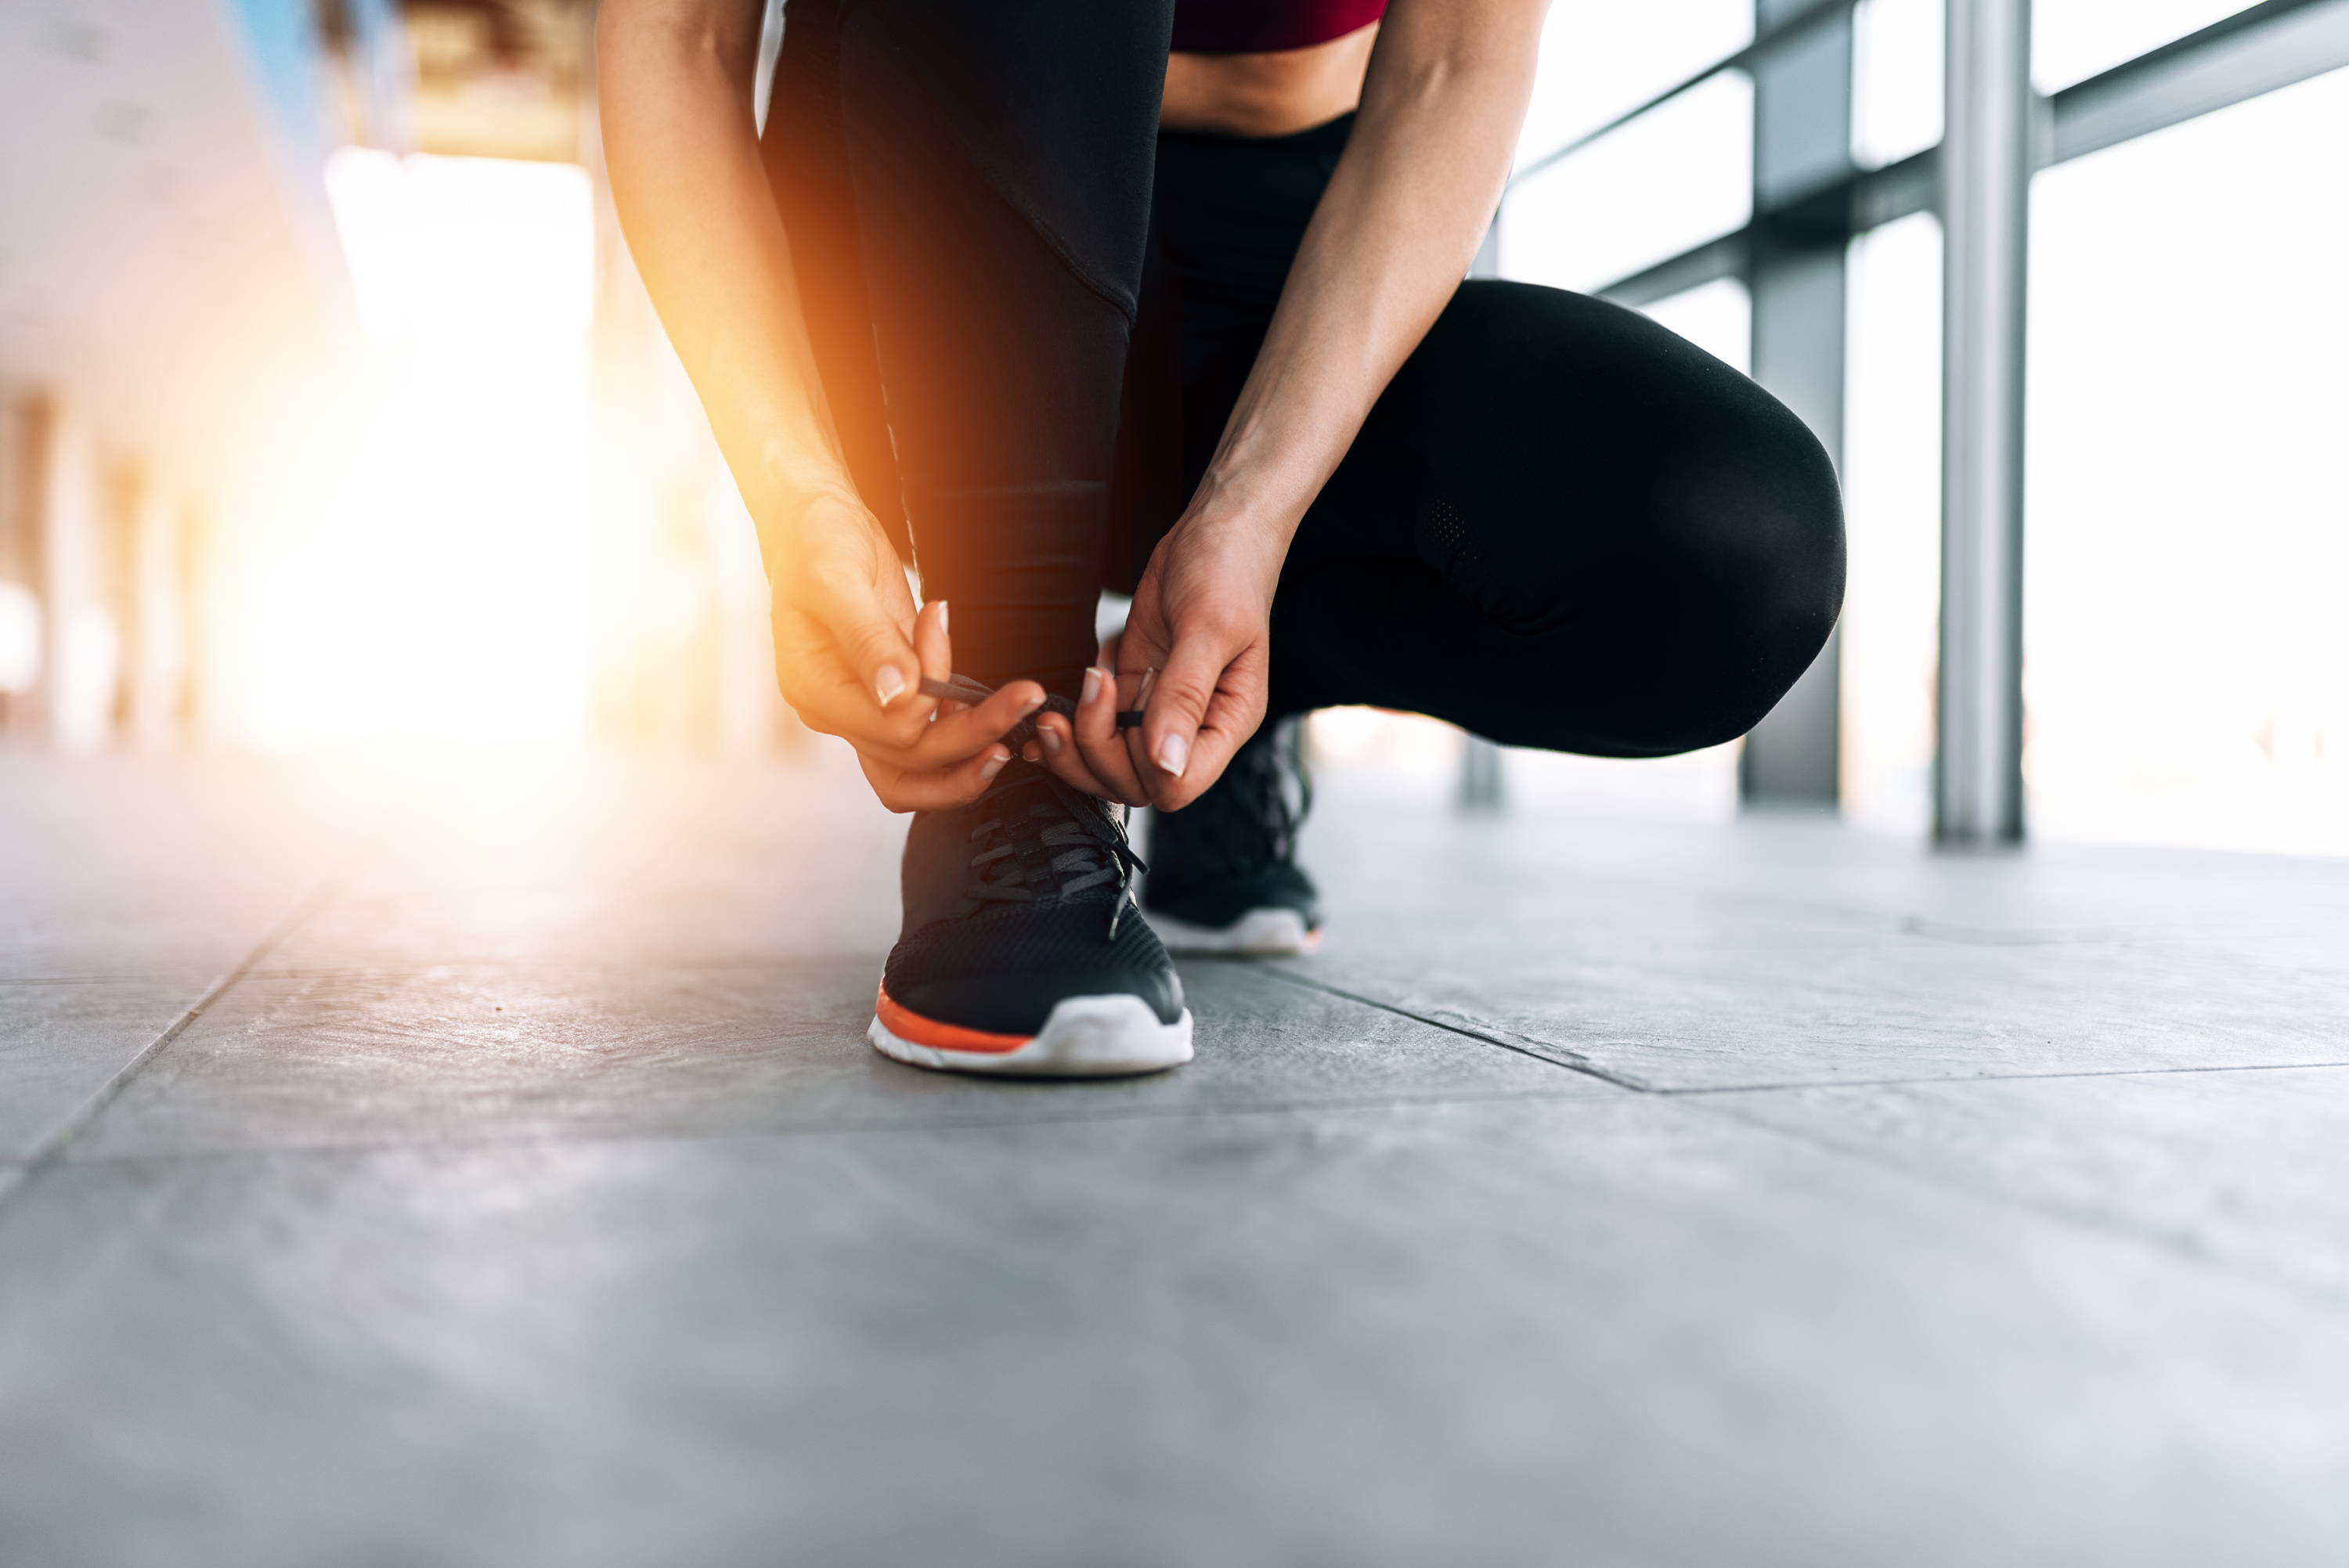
[
  {"x": 1790, "y": 20},
  {"x": 1795, "y": 264},
  {"x": 2241, "y": 56},
  {"x": 1986, "y": 165},
  {"x": 2252, "y": 53}
]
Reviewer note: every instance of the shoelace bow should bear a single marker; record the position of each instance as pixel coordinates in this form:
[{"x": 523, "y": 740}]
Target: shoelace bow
[
  {"x": 1087, "y": 845},
  {"x": 963, "y": 689}
]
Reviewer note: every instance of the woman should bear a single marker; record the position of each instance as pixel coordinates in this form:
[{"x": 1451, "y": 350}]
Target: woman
[{"x": 1075, "y": 308}]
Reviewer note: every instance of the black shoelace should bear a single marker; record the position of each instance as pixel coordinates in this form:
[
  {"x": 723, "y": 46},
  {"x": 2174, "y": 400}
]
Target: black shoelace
[
  {"x": 963, "y": 689},
  {"x": 1049, "y": 835}
]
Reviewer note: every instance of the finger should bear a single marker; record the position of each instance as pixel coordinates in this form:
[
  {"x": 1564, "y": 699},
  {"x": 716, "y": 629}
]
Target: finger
[
  {"x": 1102, "y": 751},
  {"x": 1234, "y": 713},
  {"x": 934, "y": 789},
  {"x": 871, "y": 639},
  {"x": 1056, "y": 747},
  {"x": 829, "y": 697},
  {"x": 935, "y": 652},
  {"x": 1177, "y": 706},
  {"x": 970, "y": 730}
]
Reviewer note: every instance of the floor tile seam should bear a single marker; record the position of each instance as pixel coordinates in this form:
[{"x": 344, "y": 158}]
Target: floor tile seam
[
  {"x": 1505, "y": 1038},
  {"x": 1971, "y": 933},
  {"x": 1837, "y": 914},
  {"x": 840, "y": 1130},
  {"x": 1843, "y": 919},
  {"x": 1932, "y": 928},
  {"x": 46, "y": 1151},
  {"x": 1473, "y": 1029},
  {"x": 1693, "y": 1091},
  {"x": 500, "y": 965},
  {"x": 1884, "y": 922},
  {"x": 8, "y": 985},
  {"x": 2052, "y": 1213}
]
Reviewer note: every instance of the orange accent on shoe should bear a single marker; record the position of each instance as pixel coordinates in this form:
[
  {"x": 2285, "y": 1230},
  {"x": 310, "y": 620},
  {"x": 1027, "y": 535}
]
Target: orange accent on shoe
[{"x": 908, "y": 1025}]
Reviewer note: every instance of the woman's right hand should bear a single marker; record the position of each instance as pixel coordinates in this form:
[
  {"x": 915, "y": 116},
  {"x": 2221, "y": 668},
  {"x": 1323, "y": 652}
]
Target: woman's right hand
[{"x": 851, "y": 652}]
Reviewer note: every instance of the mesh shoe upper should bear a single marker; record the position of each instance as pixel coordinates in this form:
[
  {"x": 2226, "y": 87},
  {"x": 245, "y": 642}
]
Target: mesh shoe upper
[
  {"x": 1233, "y": 849},
  {"x": 1017, "y": 901}
]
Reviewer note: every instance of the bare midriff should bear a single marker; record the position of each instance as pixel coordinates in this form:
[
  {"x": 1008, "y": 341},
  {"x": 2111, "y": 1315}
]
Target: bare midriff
[{"x": 1275, "y": 94}]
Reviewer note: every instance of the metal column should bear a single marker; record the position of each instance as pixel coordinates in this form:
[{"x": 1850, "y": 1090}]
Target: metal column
[
  {"x": 72, "y": 706},
  {"x": 1483, "y": 775},
  {"x": 1801, "y": 147},
  {"x": 1986, "y": 163},
  {"x": 150, "y": 616}
]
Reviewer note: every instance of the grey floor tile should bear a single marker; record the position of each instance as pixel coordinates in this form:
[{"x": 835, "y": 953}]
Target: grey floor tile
[
  {"x": 61, "y": 1041},
  {"x": 753, "y": 914},
  {"x": 2246, "y": 1170},
  {"x": 536, "y": 1199},
  {"x": 1866, "y": 1007},
  {"x": 637, "y": 864},
  {"x": 1612, "y": 1331},
  {"x": 151, "y": 868},
  {"x": 1805, "y": 865},
  {"x": 1671, "y": 983},
  {"x": 506, "y": 1052}
]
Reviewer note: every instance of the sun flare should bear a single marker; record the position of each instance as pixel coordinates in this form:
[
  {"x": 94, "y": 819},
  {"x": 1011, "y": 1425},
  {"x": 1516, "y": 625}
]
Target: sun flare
[{"x": 431, "y": 572}]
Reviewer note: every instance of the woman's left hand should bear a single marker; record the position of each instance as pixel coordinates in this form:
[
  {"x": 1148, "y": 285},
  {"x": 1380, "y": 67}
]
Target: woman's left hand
[{"x": 1202, "y": 620}]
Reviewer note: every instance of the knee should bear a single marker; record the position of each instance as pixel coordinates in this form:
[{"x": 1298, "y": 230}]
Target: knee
[{"x": 1758, "y": 537}]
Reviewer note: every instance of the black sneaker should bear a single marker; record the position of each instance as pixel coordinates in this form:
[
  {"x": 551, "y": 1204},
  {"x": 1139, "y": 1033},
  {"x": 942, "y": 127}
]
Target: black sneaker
[
  {"x": 1223, "y": 875},
  {"x": 1021, "y": 951}
]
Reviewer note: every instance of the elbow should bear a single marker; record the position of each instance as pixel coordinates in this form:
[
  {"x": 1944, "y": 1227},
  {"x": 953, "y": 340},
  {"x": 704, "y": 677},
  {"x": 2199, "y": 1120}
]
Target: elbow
[
  {"x": 705, "y": 41},
  {"x": 1445, "y": 67}
]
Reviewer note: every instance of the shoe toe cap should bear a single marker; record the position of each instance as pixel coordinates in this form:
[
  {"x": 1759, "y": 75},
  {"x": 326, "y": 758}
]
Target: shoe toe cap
[
  {"x": 1019, "y": 1003},
  {"x": 1004, "y": 973}
]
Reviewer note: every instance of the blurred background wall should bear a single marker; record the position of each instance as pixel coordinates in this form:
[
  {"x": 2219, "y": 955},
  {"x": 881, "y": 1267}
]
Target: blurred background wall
[{"x": 332, "y": 412}]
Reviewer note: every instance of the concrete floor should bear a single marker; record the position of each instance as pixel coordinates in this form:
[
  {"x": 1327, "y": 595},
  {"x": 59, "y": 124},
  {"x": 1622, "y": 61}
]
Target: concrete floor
[{"x": 1603, "y": 1194}]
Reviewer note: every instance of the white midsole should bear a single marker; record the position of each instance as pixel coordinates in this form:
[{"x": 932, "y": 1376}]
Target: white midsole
[
  {"x": 1270, "y": 932},
  {"x": 1084, "y": 1036}
]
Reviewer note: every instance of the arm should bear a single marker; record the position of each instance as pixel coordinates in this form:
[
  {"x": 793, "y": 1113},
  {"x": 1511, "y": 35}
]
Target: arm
[
  {"x": 674, "y": 79},
  {"x": 1409, "y": 203},
  {"x": 1447, "y": 90}
]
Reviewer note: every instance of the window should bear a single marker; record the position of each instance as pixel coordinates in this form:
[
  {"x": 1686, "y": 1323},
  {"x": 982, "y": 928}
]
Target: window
[
  {"x": 2071, "y": 40},
  {"x": 2186, "y": 659},
  {"x": 1669, "y": 180},
  {"x": 1892, "y": 514},
  {"x": 1601, "y": 59},
  {"x": 1897, "y": 68}
]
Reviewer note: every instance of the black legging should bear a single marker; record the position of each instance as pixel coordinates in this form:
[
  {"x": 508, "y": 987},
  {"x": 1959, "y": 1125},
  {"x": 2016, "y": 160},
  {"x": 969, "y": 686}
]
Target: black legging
[{"x": 1562, "y": 525}]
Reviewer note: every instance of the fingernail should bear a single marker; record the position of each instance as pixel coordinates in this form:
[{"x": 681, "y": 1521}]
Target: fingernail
[
  {"x": 942, "y": 617},
  {"x": 995, "y": 763},
  {"x": 1173, "y": 753},
  {"x": 1051, "y": 739},
  {"x": 1093, "y": 688},
  {"x": 1031, "y": 708},
  {"x": 888, "y": 684}
]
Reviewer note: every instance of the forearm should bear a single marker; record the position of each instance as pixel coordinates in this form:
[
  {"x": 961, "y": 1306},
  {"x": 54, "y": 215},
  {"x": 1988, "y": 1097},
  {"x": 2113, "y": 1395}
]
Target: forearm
[
  {"x": 1388, "y": 245},
  {"x": 674, "y": 80}
]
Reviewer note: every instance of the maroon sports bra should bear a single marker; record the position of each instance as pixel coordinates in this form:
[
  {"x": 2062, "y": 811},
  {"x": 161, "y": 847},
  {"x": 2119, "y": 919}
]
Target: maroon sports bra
[{"x": 1257, "y": 26}]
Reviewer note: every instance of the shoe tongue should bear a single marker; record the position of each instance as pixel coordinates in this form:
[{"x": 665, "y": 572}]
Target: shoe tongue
[
  {"x": 1013, "y": 799},
  {"x": 1018, "y": 783}
]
